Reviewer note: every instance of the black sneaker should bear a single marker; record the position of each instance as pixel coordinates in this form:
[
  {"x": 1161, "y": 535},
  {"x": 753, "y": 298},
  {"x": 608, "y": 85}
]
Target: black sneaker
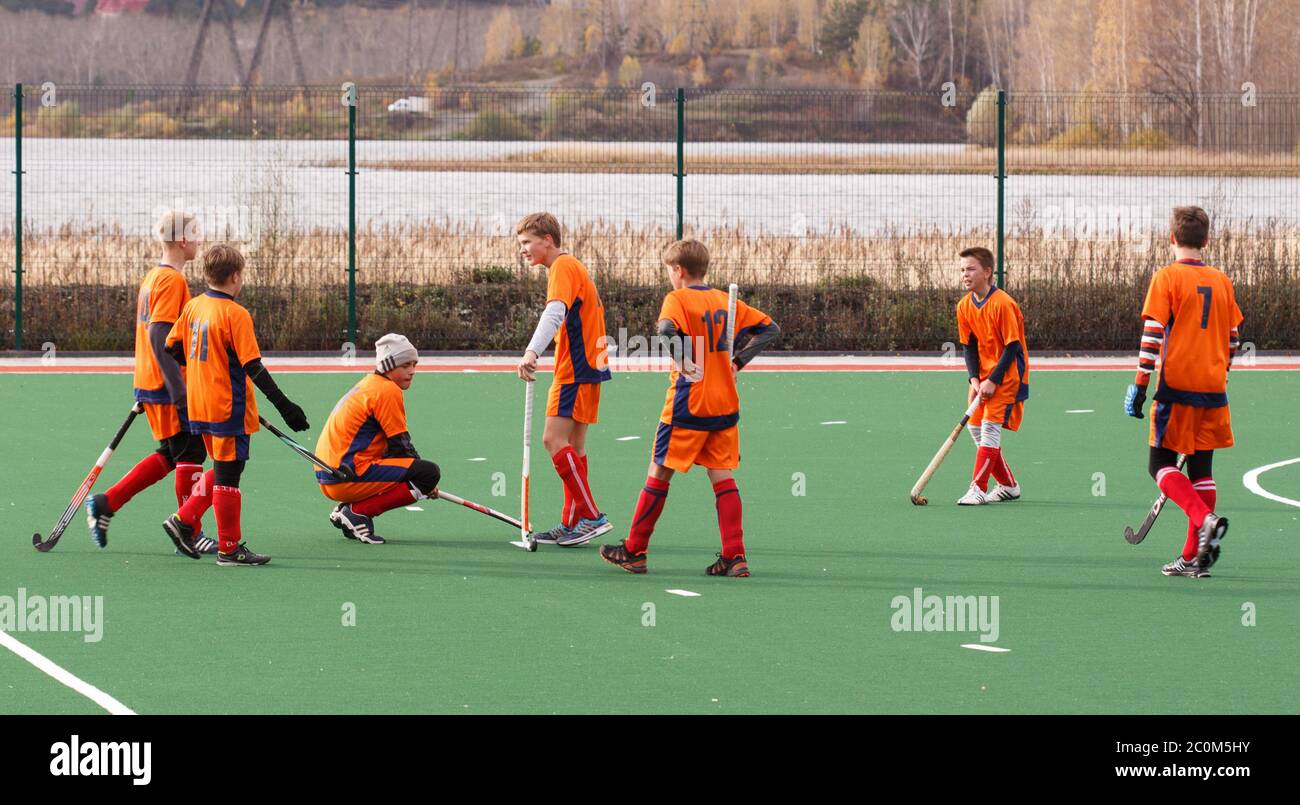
[
  {"x": 355, "y": 526},
  {"x": 242, "y": 555},
  {"x": 729, "y": 567},
  {"x": 1182, "y": 567},
  {"x": 203, "y": 544},
  {"x": 621, "y": 556},
  {"x": 1208, "y": 537},
  {"x": 97, "y": 518},
  {"x": 181, "y": 535}
]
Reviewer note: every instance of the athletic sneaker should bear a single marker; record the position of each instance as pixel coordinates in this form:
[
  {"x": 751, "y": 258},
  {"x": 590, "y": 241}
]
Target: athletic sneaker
[
  {"x": 355, "y": 526},
  {"x": 619, "y": 555},
  {"x": 242, "y": 555},
  {"x": 1182, "y": 567},
  {"x": 98, "y": 517},
  {"x": 973, "y": 497},
  {"x": 729, "y": 567},
  {"x": 204, "y": 544},
  {"x": 1001, "y": 493},
  {"x": 585, "y": 531},
  {"x": 1208, "y": 537},
  {"x": 181, "y": 535},
  {"x": 553, "y": 536}
]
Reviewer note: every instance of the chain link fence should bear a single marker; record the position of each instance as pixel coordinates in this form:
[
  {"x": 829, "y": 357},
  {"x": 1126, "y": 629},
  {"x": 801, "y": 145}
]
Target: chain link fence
[{"x": 369, "y": 209}]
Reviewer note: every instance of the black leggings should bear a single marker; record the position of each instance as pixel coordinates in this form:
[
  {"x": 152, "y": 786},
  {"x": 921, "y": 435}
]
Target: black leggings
[
  {"x": 183, "y": 448},
  {"x": 1198, "y": 463},
  {"x": 226, "y": 473}
]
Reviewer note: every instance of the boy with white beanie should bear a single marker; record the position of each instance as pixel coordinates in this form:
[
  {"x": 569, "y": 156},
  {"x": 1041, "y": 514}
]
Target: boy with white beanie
[{"x": 366, "y": 433}]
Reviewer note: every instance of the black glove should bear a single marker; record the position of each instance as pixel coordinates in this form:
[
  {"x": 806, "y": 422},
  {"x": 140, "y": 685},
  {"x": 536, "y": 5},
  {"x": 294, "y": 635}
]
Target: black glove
[{"x": 291, "y": 414}]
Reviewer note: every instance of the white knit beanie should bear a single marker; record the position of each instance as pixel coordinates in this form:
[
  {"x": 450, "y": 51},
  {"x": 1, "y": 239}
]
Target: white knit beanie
[{"x": 392, "y": 351}]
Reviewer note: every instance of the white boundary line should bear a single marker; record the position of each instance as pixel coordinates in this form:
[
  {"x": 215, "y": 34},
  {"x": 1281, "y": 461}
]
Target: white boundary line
[
  {"x": 1251, "y": 481},
  {"x": 43, "y": 663}
]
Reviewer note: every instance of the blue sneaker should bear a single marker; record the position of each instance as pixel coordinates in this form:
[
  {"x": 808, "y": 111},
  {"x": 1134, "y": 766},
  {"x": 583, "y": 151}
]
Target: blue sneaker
[
  {"x": 553, "y": 536},
  {"x": 585, "y": 531},
  {"x": 97, "y": 518}
]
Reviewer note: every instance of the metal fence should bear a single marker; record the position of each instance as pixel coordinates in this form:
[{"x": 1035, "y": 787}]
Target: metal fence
[{"x": 341, "y": 193}]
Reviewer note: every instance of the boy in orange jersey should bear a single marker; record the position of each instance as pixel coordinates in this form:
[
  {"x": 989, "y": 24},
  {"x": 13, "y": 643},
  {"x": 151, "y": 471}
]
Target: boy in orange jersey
[
  {"x": 214, "y": 339},
  {"x": 992, "y": 332},
  {"x": 367, "y": 434},
  {"x": 159, "y": 383},
  {"x": 575, "y": 313},
  {"x": 698, "y": 423},
  {"x": 1191, "y": 401}
]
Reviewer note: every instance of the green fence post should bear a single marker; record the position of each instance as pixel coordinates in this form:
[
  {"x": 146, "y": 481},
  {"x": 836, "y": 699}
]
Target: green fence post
[
  {"x": 1002, "y": 183},
  {"x": 18, "y": 217},
  {"x": 352, "y": 220},
  {"x": 681, "y": 157}
]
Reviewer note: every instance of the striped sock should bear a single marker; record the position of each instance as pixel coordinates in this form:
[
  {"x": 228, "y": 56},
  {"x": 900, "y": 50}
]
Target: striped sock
[{"x": 649, "y": 505}]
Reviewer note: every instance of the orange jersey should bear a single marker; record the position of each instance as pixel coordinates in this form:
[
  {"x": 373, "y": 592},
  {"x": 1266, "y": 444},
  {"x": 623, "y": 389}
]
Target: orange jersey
[
  {"x": 357, "y": 432},
  {"x": 163, "y": 293},
  {"x": 1196, "y": 305},
  {"x": 217, "y": 333},
  {"x": 580, "y": 346},
  {"x": 995, "y": 322},
  {"x": 700, "y": 313}
]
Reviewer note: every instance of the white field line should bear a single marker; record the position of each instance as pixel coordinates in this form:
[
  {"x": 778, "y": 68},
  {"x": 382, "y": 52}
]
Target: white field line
[
  {"x": 47, "y": 666},
  {"x": 982, "y": 647}
]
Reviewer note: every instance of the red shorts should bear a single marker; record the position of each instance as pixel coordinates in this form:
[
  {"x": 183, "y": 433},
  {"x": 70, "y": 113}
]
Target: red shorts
[
  {"x": 577, "y": 401},
  {"x": 378, "y": 478},
  {"x": 1187, "y": 429},
  {"x": 164, "y": 419},
  {"x": 679, "y": 449}
]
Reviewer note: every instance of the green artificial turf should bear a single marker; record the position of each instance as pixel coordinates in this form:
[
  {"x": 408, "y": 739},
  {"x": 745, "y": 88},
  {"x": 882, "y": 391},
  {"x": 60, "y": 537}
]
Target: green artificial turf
[{"x": 451, "y": 619}]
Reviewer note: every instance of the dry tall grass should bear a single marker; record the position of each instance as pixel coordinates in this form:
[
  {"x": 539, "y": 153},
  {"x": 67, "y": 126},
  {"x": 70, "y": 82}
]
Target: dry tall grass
[{"x": 435, "y": 254}]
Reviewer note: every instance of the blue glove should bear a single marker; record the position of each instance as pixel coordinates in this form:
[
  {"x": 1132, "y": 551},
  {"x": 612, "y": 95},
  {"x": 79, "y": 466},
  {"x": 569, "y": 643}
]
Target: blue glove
[{"x": 1134, "y": 400}]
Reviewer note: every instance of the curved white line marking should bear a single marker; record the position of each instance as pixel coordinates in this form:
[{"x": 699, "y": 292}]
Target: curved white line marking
[{"x": 1251, "y": 481}]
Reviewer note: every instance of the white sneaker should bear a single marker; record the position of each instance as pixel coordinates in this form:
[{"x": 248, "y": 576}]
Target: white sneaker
[
  {"x": 973, "y": 497},
  {"x": 1001, "y": 493}
]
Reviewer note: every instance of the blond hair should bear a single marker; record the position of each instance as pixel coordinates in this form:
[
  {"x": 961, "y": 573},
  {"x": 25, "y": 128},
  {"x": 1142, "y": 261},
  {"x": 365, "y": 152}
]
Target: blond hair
[
  {"x": 173, "y": 226},
  {"x": 690, "y": 254},
  {"x": 220, "y": 262},
  {"x": 541, "y": 224}
]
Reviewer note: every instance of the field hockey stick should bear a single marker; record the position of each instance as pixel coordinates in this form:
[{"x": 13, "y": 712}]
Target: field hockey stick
[
  {"x": 917, "y": 498},
  {"x": 84, "y": 489},
  {"x": 526, "y": 540},
  {"x": 338, "y": 473},
  {"x": 481, "y": 509},
  {"x": 1134, "y": 539},
  {"x": 733, "y": 291}
]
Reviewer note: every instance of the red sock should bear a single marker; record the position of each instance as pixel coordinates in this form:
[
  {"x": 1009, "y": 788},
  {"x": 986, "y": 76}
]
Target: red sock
[
  {"x": 733, "y": 535},
  {"x": 226, "y": 500},
  {"x": 1208, "y": 493},
  {"x": 985, "y": 459},
  {"x": 649, "y": 505},
  {"x": 375, "y": 505},
  {"x": 1179, "y": 489},
  {"x": 187, "y": 475},
  {"x": 566, "y": 465},
  {"x": 200, "y": 500},
  {"x": 570, "y": 508},
  {"x": 1001, "y": 472},
  {"x": 151, "y": 469}
]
